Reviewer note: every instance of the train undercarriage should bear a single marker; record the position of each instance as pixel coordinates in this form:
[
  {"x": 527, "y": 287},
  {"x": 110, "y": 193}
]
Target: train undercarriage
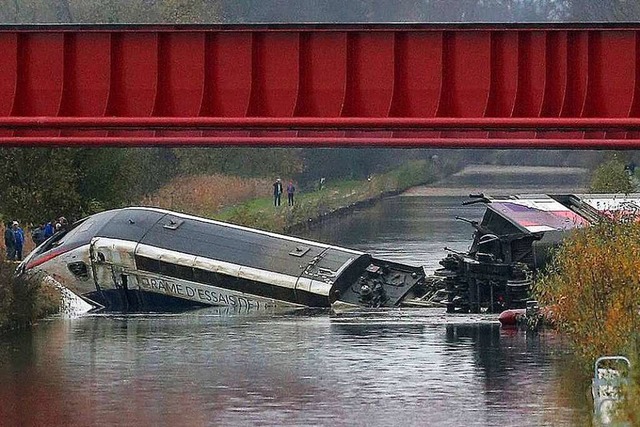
[{"x": 513, "y": 242}]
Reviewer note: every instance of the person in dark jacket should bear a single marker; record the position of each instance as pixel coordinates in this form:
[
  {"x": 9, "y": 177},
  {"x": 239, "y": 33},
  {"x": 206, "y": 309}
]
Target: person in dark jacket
[
  {"x": 9, "y": 241},
  {"x": 37, "y": 235},
  {"x": 64, "y": 224},
  {"x": 290, "y": 191},
  {"x": 277, "y": 192}
]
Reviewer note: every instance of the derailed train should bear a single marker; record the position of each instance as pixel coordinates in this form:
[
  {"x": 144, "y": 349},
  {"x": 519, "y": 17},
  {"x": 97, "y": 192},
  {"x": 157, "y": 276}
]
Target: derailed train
[
  {"x": 514, "y": 240},
  {"x": 146, "y": 259}
]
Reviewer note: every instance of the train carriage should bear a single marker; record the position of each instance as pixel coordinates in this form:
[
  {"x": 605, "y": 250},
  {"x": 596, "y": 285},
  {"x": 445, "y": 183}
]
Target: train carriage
[{"x": 146, "y": 259}]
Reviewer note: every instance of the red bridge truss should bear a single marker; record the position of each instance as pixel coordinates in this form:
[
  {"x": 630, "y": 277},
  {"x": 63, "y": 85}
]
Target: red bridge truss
[{"x": 505, "y": 86}]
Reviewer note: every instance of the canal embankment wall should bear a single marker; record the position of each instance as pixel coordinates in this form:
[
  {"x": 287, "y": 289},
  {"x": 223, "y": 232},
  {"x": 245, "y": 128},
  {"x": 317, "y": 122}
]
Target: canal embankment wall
[{"x": 332, "y": 199}]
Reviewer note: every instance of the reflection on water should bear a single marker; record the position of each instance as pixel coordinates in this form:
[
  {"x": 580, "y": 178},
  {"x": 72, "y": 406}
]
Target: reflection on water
[
  {"x": 365, "y": 368},
  {"x": 399, "y": 367}
]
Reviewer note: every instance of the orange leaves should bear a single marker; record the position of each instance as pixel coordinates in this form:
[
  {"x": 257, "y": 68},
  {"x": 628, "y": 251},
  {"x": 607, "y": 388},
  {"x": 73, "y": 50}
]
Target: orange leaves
[
  {"x": 206, "y": 194},
  {"x": 593, "y": 285}
]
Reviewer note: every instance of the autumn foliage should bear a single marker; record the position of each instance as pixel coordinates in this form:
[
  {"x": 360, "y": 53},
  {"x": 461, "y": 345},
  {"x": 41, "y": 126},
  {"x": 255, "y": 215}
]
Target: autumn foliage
[
  {"x": 593, "y": 287},
  {"x": 593, "y": 291},
  {"x": 205, "y": 194}
]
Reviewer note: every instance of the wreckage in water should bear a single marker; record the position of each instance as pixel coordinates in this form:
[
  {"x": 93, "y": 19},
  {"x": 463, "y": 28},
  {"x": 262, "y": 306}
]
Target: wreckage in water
[
  {"x": 145, "y": 259},
  {"x": 514, "y": 239}
]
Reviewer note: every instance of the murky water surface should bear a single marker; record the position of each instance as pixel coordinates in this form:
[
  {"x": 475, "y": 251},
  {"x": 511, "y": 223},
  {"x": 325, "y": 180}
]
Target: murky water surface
[{"x": 368, "y": 368}]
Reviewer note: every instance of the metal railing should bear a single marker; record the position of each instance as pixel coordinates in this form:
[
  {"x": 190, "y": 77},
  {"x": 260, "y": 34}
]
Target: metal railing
[{"x": 606, "y": 386}]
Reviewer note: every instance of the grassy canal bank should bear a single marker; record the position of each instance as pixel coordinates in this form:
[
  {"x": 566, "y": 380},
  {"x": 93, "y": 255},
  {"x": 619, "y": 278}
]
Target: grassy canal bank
[
  {"x": 334, "y": 198},
  {"x": 23, "y": 302}
]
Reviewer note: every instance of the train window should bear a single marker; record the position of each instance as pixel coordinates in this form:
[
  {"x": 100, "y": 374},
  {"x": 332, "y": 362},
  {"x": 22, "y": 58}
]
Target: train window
[
  {"x": 85, "y": 226},
  {"x": 74, "y": 236},
  {"x": 204, "y": 276},
  {"x": 147, "y": 264},
  {"x": 184, "y": 272},
  {"x": 167, "y": 269},
  {"x": 178, "y": 271},
  {"x": 55, "y": 240},
  {"x": 79, "y": 269}
]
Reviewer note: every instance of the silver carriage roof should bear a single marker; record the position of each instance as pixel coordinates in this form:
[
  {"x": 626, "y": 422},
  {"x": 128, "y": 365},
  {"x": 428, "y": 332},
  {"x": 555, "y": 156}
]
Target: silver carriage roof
[{"x": 216, "y": 240}]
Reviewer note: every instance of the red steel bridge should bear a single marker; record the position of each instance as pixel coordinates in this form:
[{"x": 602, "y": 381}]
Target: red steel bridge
[{"x": 393, "y": 85}]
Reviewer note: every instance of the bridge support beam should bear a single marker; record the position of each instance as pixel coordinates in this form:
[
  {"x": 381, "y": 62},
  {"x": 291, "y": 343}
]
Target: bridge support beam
[
  {"x": 336, "y": 142},
  {"x": 462, "y": 85}
]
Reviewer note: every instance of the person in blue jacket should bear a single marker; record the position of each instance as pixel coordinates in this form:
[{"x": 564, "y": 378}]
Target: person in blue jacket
[
  {"x": 19, "y": 236},
  {"x": 48, "y": 230},
  {"x": 9, "y": 241}
]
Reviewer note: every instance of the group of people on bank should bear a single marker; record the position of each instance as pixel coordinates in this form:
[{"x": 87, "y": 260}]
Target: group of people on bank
[
  {"x": 291, "y": 189},
  {"x": 278, "y": 190},
  {"x": 14, "y": 236}
]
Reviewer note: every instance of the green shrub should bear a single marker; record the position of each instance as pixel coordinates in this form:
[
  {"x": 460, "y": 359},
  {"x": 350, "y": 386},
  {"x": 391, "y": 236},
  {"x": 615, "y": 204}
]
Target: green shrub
[
  {"x": 611, "y": 177},
  {"x": 23, "y": 301}
]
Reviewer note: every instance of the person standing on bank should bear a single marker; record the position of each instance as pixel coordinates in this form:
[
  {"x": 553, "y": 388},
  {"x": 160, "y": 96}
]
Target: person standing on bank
[
  {"x": 49, "y": 229},
  {"x": 290, "y": 190},
  {"x": 19, "y": 236},
  {"x": 277, "y": 192},
  {"x": 9, "y": 241},
  {"x": 37, "y": 235}
]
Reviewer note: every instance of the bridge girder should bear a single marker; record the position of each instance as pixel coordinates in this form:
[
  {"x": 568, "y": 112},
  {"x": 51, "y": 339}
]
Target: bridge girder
[{"x": 506, "y": 86}]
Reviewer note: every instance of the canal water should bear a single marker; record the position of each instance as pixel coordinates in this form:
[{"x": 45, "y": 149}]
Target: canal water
[{"x": 217, "y": 367}]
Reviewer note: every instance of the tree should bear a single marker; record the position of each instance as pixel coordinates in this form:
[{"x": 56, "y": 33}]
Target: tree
[
  {"x": 109, "y": 11},
  {"x": 44, "y": 183},
  {"x": 247, "y": 162},
  {"x": 144, "y": 170},
  {"x": 38, "y": 184},
  {"x": 612, "y": 10}
]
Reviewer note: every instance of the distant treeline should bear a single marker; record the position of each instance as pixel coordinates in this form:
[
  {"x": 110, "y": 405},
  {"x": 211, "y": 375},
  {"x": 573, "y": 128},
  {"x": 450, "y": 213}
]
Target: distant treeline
[
  {"x": 428, "y": 10},
  {"x": 203, "y": 11}
]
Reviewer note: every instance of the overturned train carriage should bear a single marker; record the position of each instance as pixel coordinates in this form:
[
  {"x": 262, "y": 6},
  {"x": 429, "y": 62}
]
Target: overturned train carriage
[
  {"x": 514, "y": 240},
  {"x": 143, "y": 259}
]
